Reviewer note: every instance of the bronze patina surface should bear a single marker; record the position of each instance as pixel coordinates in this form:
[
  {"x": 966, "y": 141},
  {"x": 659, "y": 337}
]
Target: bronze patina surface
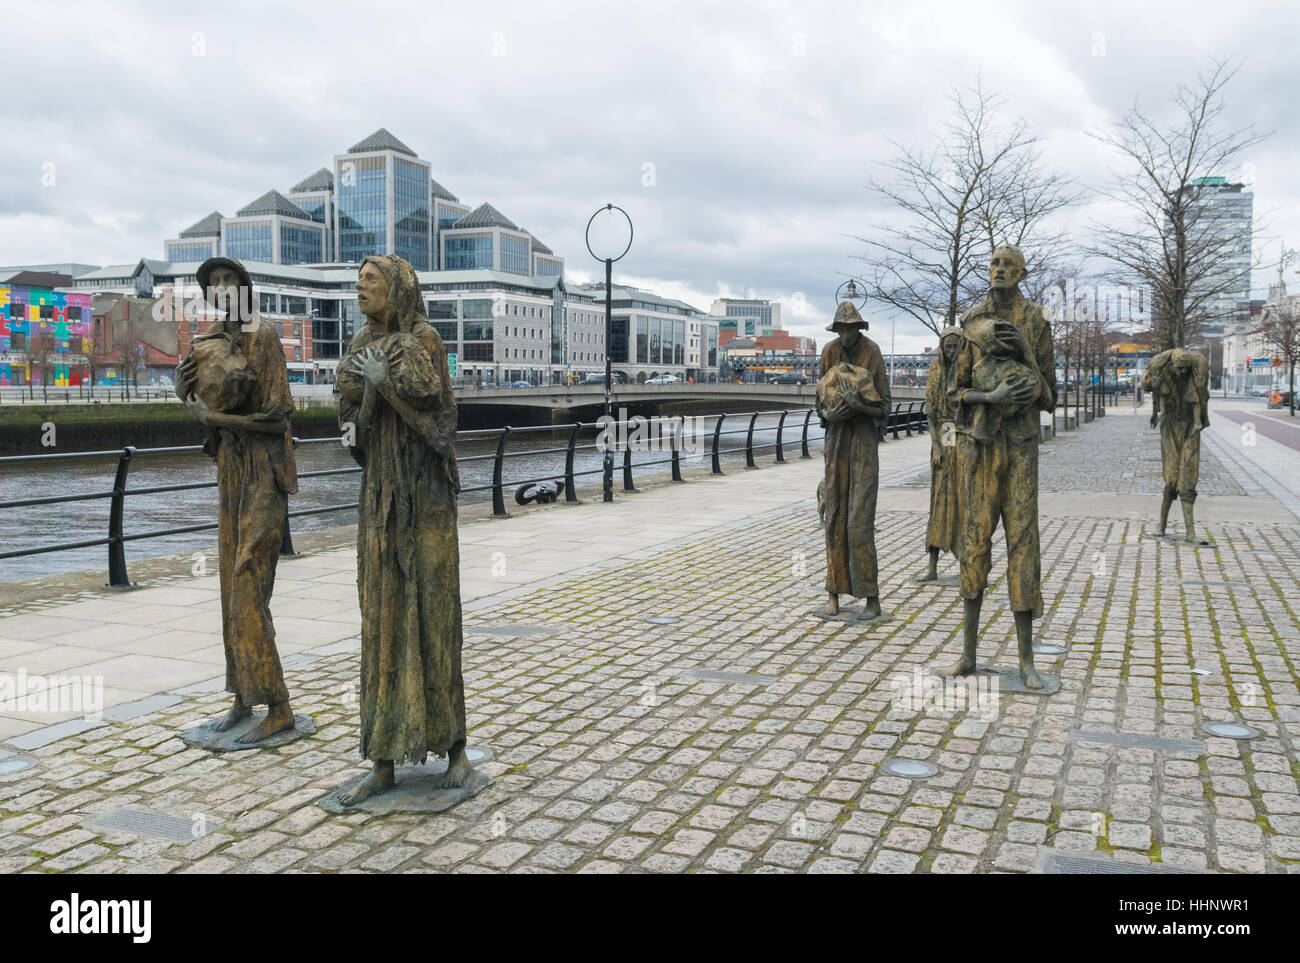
[
  {"x": 943, "y": 529},
  {"x": 852, "y": 401},
  {"x": 1179, "y": 383},
  {"x": 1006, "y": 374},
  {"x": 396, "y": 401},
  {"x": 239, "y": 365}
]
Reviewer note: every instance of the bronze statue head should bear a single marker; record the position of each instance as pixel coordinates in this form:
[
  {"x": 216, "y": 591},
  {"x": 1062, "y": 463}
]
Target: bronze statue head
[
  {"x": 228, "y": 287},
  {"x": 950, "y": 341},
  {"x": 388, "y": 292},
  {"x": 1006, "y": 267}
]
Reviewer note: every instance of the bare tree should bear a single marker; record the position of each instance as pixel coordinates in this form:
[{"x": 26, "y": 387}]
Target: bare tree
[
  {"x": 1173, "y": 243},
  {"x": 981, "y": 185},
  {"x": 1280, "y": 330}
]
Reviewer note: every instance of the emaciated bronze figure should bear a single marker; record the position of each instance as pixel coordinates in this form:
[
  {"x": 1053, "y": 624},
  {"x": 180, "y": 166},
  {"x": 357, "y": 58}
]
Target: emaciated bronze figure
[
  {"x": 1179, "y": 383},
  {"x": 396, "y": 399},
  {"x": 1006, "y": 375},
  {"x": 942, "y": 534},
  {"x": 235, "y": 382},
  {"x": 852, "y": 401}
]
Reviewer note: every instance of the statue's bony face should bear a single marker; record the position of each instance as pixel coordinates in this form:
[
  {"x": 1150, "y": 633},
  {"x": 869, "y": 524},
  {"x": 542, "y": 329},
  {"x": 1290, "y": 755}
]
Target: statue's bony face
[
  {"x": 223, "y": 288},
  {"x": 950, "y": 346},
  {"x": 1005, "y": 270},
  {"x": 372, "y": 291},
  {"x": 849, "y": 334}
]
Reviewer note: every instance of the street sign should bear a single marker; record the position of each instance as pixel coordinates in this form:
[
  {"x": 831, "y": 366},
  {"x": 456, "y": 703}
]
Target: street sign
[{"x": 451, "y": 363}]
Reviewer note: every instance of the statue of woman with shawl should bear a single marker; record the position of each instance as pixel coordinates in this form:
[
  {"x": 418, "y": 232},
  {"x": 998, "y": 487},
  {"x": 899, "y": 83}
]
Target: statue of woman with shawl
[{"x": 398, "y": 413}]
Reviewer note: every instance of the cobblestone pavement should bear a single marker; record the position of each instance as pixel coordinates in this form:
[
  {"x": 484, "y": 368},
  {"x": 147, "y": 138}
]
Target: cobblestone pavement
[
  {"x": 749, "y": 737},
  {"x": 1119, "y": 453}
]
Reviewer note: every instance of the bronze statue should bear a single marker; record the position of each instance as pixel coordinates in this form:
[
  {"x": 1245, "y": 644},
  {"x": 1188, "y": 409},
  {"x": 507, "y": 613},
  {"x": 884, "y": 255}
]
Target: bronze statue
[
  {"x": 1179, "y": 383},
  {"x": 396, "y": 400},
  {"x": 235, "y": 382},
  {"x": 942, "y": 534},
  {"x": 1006, "y": 375},
  {"x": 852, "y": 401}
]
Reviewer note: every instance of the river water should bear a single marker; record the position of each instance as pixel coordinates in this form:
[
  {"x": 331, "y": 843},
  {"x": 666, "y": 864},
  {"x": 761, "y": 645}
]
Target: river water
[{"x": 39, "y": 525}]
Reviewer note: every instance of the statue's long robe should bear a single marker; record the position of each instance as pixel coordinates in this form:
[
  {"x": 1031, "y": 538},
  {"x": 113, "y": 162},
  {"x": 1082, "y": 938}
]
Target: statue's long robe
[
  {"x": 255, "y": 474},
  {"x": 852, "y": 479},
  {"x": 943, "y": 530},
  {"x": 408, "y": 559},
  {"x": 1175, "y": 389}
]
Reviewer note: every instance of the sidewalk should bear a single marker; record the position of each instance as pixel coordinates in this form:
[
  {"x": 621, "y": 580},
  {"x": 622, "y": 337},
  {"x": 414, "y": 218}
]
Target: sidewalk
[{"x": 746, "y": 735}]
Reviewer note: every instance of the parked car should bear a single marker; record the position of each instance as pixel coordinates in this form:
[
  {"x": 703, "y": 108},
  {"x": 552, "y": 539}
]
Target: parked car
[
  {"x": 789, "y": 378},
  {"x": 521, "y": 384},
  {"x": 663, "y": 379}
]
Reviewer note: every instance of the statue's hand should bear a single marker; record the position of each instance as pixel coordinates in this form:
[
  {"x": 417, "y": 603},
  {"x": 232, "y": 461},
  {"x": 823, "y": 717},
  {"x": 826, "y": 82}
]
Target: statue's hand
[
  {"x": 186, "y": 375},
  {"x": 1155, "y": 417},
  {"x": 839, "y": 412},
  {"x": 372, "y": 366}
]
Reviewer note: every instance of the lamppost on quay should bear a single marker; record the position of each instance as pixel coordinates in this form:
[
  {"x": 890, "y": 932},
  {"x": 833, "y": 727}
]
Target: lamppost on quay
[{"x": 609, "y": 259}]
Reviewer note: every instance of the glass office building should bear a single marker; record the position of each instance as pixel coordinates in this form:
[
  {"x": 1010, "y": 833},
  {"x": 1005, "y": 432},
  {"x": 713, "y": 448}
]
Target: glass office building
[{"x": 377, "y": 198}]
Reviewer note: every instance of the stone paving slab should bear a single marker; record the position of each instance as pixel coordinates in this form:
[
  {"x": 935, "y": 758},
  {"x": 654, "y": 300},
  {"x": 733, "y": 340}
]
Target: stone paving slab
[{"x": 748, "y": 736}]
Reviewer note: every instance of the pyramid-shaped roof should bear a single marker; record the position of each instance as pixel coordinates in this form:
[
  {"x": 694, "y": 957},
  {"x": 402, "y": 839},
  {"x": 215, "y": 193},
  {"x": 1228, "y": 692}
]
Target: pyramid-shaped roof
[
  {"x": 437, "y": 190},
  {"x": 210, "y": 226},
  {"x": 380, "y": 140},
  {"x": 322, "y": 180},
  {"x": 273, "y": 202},
  {"x": 485, "y": 215},
  {"x": 537, "y": 245}
]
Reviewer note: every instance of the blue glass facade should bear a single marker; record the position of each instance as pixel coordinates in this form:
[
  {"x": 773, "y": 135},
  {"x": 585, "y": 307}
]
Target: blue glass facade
[
  {"x": 468, "y": 253},
  {"x": 411, "y": 213},
  {"x": 301, "y": 245},
  {"x": 547, "y": 268},
  {"x": 252, "y": 241},
  {"x": 190, "y": 251},
  {"x": 515, "y": 254},
  {"x": 317, "y": 207},
  {"x": 362, "y": 199}
]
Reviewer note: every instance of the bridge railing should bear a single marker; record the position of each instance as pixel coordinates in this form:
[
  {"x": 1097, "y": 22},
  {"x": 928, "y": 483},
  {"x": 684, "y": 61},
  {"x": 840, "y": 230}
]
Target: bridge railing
[{"x": 908, "y": 415}]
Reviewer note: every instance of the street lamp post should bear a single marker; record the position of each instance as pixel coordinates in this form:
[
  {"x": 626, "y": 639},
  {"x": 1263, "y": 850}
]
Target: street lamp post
[{"x": 607, "y": 474}]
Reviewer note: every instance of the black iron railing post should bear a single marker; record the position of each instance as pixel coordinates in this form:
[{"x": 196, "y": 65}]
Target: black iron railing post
[
  {"x": 717, "y": 431},
  {"x": 627, "y": 468},
  {"x": 117, "y": 576},
  {"x": 679, "y": 425},
  {"x": 780, "y": 427},
  {"x": 895, "y": 416},
  {"x": 569, "y": 494},
  {"x": 806, "y": 418},
  {"x": 749, "y": 442},
  {"x": 498, "y": 493},
  {"x": 908, "y": 425}
]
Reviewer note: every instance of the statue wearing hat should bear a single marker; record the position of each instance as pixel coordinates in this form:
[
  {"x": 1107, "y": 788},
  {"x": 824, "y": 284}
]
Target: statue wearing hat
[
  {"x": 1179, "y": 383},
  {"x": 852, "y": 401},
  {"x": 943, "y": 531},
  {"x": 235, "y": 382},
  {"x": 1006, "y": 375}
]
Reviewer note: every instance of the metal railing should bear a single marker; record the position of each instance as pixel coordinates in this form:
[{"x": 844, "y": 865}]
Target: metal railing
[{"x": 905, "y": 415}]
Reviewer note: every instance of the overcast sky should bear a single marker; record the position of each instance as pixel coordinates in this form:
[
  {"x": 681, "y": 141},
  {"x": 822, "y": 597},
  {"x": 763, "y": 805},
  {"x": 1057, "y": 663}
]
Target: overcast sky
[{"x": 763, "y": 121}]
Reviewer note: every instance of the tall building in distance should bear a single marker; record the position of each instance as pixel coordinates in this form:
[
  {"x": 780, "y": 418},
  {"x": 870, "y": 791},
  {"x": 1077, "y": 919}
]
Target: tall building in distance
[
  {"x": 1229, "y": 209},
  {"x": 747, "y": 317},
  {"x": 378, "y": 197}
]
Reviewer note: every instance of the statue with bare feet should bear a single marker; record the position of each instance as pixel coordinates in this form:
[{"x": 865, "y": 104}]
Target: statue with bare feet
[
  {"x": 234, "y": 381},
  {"x": 398, "y": 416},
  {"x": 852, "y": 402}
]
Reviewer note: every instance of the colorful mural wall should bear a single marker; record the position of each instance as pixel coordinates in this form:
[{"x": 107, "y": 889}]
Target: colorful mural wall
[{"x": 44, "y": 333}]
